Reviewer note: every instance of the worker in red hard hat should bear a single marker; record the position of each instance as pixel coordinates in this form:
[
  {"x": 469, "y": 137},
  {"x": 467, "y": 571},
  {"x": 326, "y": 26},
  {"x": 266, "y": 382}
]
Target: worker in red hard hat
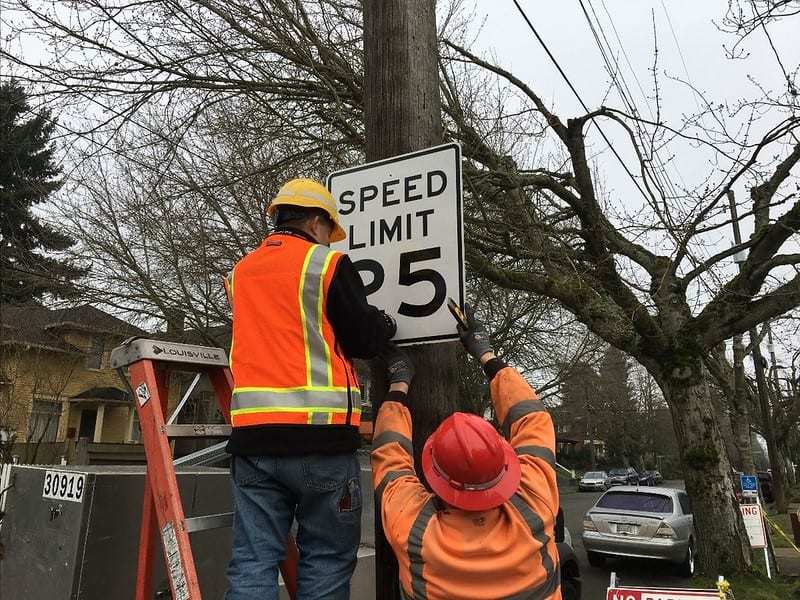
[{"x": 487, "y": 530}]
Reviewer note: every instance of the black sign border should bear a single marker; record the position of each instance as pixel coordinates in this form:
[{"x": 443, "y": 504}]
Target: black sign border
[{"x": 460, "y": 214}]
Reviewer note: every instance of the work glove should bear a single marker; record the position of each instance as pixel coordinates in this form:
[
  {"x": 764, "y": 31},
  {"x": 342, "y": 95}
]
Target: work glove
[
  {"x": 399, "y": 368},
  {"x": 474, "y": 337},
  {"x": 391, "y": 325}
]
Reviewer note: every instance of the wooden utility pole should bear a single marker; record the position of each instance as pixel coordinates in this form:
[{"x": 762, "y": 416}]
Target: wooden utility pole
[
  {"x": 740, "y": 424},
  {"x": 402, "y": 113},
  {"x": 778, "y": 486}
]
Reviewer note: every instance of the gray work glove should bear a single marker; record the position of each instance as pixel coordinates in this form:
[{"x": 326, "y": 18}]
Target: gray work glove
[
  {"x": 474, "y": 337},
  {"x": 391, "y": 325},
  {"x": 399, "y": 368}
]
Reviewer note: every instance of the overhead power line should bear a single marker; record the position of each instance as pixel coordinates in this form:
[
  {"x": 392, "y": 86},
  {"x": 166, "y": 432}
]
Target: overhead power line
[
  {"x": 580, "y": 100},
  {"x": 659, "y": 173}
]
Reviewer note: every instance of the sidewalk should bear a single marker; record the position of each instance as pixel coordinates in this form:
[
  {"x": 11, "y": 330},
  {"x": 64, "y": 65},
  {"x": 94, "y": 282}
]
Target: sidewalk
[{"x": 788, "y": 561}]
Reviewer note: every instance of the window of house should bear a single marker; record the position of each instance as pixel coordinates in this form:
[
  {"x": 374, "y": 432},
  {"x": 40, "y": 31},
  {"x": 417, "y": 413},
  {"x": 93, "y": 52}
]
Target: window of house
[
  {"x": 94, "y": 358},
  {"x": 43, "y": 421}
]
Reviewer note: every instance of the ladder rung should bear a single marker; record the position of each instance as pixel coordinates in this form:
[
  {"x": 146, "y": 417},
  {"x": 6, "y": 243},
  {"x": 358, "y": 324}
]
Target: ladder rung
[
  {"x": 197, "y": 431},
  {"x": 205, "y": 456},
  {"x": 206, "y": 522}
]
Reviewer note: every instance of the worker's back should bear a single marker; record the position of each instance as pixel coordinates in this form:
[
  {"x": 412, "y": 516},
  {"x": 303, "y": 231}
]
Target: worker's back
[
  {"x": 472, "y": 552},
  {"x": 286, "y": 363},
  {"x": 500, "y": 553}
]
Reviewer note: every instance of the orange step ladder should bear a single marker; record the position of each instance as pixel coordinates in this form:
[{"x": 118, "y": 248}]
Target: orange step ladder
[{"x": 149, "y": 364}]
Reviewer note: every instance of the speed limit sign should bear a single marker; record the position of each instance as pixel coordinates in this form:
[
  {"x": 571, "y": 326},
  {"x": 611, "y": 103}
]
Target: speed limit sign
[{"x": 405, "y": 235}]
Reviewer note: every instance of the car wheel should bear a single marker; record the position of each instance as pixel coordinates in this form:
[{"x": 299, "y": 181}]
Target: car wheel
[
  {"x": 595, "y": 559},
  {"x": 686, "y": 568}
]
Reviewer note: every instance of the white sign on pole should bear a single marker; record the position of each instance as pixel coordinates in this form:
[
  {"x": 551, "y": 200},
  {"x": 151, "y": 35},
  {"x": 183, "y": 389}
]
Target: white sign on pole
[
  {"x": 754, "y": 524},
  {"x": 404, "y": 222}
]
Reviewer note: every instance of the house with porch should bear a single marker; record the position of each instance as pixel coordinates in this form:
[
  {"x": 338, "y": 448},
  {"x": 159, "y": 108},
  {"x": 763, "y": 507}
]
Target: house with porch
[{"x": 56, "y": 386}]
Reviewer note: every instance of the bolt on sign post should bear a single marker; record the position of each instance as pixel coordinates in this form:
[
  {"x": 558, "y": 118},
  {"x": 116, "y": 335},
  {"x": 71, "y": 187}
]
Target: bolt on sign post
[{"x": 404, "y": 224}]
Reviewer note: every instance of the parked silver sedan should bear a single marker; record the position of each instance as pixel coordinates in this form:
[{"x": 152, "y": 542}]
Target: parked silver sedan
[
  {"x": 633, "y": 522},
  {"x": 593, "y": 481}
]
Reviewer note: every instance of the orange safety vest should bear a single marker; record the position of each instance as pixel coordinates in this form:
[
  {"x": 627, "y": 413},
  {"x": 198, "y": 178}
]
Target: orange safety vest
[
  {"x": 443, "y": 553},
  {"x": 287, "y": 366}
]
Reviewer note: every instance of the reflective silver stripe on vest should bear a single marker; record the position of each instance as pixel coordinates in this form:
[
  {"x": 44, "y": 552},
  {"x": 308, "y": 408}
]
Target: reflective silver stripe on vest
[
  {"x": 318, "y": 354},
  {"x": 268, "y": 399},
  {"x": 534, "y": 522},
  {"x": 415, "y": 549},
  {"x": 539, "y": 452},
  {"x": 387, "y": 437},
  {"x": 536, "y": 525},
  {"x": 387, "y": 479},
  {"x": 519, "y": 410}
]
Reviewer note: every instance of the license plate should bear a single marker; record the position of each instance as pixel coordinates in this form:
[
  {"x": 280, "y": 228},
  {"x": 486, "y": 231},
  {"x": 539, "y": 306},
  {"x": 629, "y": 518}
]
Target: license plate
[
  {"x": 60, "y": 485},
  {"x": 627, "y": 529}
]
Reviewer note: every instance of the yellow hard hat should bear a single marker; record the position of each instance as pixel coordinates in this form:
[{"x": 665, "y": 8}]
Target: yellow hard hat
[{"x": 310, "y": 194}]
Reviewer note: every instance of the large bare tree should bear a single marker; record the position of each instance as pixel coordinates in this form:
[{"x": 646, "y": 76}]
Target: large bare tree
[
  {"x": 548, "y": 230},
  {"x": 638, "y": 270}
]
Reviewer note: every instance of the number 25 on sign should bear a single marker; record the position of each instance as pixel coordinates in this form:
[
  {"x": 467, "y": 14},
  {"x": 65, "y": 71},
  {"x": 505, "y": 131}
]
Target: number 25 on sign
[{"x": 404, "y": 224}]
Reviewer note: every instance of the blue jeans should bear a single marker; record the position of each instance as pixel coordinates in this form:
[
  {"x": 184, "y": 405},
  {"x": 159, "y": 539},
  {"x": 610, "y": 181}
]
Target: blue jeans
[{"x": 324, "y": 494}]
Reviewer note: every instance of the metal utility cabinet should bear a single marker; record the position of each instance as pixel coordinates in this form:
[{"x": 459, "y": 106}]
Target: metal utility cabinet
[{"x": 72, "y": 532}]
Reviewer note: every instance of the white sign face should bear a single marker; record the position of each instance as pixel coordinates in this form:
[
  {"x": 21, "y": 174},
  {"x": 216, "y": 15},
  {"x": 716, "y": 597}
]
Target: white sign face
[
  {"x": 404, "y": 223},
  {"x": 754, "y": 524},
  {"x": 62, "y": 485}
]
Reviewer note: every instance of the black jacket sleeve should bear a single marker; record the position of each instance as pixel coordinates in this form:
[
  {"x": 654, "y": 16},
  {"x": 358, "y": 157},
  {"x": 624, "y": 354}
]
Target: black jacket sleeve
[{"x": 359, "y": 327}]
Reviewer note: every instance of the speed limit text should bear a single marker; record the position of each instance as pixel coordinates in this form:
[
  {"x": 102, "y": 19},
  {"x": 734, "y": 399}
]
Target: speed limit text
[{"x": 393, "y": 192}]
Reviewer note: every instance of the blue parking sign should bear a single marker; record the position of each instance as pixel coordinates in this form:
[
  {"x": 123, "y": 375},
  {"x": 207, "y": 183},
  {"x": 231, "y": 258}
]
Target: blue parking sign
[{"x": 749, "y": 485}]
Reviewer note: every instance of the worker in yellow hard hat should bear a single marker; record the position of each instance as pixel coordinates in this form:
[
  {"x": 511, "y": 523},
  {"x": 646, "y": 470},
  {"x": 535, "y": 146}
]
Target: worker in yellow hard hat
[
  {"x": 300, "y": 317},
  {"x": 306, "y": 196}
]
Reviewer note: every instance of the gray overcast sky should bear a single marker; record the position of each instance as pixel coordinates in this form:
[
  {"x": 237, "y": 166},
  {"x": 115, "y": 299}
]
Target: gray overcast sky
[
  {"x": 505, "y": 37},
  {"x": 564, "y": 28}
]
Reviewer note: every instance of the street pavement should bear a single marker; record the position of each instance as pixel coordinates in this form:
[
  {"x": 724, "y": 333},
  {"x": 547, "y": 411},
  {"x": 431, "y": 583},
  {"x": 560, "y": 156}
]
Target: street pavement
[{"x": 629, "y": 572}]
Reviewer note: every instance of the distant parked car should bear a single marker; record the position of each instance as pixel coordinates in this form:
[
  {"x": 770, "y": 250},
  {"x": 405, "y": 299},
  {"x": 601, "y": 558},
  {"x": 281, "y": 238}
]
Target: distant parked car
[
  {"x": 593, "y": 480},
  {"x": 623, "y": 476},
  {"x": 632, "y": 522},
  {"x": 647, "y": 478},
  {"x": 765, "y": 485}
]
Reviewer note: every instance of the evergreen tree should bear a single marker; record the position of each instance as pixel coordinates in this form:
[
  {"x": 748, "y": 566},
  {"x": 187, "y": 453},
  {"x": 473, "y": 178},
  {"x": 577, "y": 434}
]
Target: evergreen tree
[
  {"x": 28, "y": 175},
  {"x": 581, "y": 407},
  {"x": 622, "y": 422}
]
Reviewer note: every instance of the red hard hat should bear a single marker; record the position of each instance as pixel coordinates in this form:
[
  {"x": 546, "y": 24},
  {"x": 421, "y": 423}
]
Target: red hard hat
[{"x": 468, "y": 465}]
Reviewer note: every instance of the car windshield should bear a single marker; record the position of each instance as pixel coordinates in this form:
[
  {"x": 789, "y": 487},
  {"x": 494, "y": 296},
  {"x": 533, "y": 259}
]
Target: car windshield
[
  {"x": 643, "y": 502},
  {"x": 593, "y": 475},
  {"x": 618, "y": 471}
]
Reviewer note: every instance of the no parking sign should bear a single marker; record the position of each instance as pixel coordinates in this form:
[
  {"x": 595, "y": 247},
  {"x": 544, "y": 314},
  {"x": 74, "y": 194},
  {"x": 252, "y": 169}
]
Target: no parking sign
[
  {"x": 404, "y": 222},
  {"x": 625, "y": 593}
]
